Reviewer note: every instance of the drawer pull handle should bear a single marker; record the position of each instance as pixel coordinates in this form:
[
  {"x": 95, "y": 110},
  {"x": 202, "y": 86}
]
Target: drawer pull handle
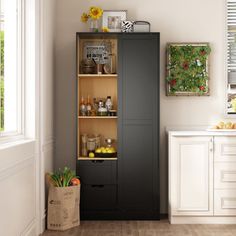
[
  {"x": 97, "y": 186},
  {"x": 98, "y": 161}
]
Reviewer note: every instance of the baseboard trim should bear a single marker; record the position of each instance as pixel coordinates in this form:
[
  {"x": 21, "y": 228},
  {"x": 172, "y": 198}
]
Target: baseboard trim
[
  {"x": 30, "y": 229},
  {"x": 202, "y": 220}
]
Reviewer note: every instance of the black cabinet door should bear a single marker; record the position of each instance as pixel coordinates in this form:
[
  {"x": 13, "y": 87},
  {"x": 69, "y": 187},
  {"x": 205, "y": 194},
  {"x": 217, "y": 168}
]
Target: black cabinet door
[{"x": 138, "y": 122}]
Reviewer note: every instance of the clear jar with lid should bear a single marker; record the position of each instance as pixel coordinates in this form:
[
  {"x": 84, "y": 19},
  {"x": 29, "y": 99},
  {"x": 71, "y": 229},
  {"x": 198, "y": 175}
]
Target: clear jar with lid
[{"x": 91, "y": 144}]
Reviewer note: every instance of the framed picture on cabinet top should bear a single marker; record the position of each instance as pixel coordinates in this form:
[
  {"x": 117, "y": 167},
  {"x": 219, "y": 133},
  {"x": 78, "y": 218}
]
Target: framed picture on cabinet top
[
  {"x": 188, "y": 69},
  {"x": 112, "y": 19}
]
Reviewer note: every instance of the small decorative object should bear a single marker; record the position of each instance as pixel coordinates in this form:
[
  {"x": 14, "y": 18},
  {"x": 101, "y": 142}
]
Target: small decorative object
[
  {"x": 107, "y": 69},
  {"x": 187, "y": 69},
  {"x": 105, "y": 29},
  {"x": 112, "y": 20},
  {"x": 109, "y": 142},
  {"x": 141, "y": 26},
  {"x": 127, "y": 26},
  {"x": 99, "y": 68},
  {"x": 88, "y": 66},
  {"x": 92, "y": 16}
]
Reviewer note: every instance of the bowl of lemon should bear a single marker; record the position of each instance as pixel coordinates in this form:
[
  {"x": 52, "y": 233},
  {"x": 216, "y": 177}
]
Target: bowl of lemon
[{"x": 106, "y": 152}]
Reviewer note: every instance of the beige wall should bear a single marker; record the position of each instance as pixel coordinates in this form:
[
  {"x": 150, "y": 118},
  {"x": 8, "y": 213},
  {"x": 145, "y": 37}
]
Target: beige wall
[{"x": 177, "y": 21}]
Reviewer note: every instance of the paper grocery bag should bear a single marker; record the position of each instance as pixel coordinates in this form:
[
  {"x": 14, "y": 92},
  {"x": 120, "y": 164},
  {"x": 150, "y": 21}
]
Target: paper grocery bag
[{"x": 63, "y": 207}]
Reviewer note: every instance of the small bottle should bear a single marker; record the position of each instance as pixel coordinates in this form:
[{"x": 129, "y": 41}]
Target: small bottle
[
  {"x": 84, "y": 138},
  {"x": 109, "y": 103},
  {"x": 94, "y": 107},
  {"x": 82, "y": 107},
  {"x": 89, "y": 107}
]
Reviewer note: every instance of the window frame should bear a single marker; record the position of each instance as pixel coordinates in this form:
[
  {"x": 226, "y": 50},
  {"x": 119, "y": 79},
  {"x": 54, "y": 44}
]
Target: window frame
[{"x": 19, "y": 133}]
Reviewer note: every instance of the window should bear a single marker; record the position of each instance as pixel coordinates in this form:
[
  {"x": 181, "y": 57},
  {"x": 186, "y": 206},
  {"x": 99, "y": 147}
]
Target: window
[
  {"x": 231, "y": 56},
  {"x": 10, "y": 68}
]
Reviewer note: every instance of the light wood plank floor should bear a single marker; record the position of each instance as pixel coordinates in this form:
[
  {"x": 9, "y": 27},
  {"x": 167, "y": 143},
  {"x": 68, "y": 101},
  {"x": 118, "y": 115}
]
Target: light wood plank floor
[{"x": 144, "y": 228}]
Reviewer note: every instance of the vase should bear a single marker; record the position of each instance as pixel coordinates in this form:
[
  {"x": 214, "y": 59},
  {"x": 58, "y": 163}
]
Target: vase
[{"x": 93, "y": 25}]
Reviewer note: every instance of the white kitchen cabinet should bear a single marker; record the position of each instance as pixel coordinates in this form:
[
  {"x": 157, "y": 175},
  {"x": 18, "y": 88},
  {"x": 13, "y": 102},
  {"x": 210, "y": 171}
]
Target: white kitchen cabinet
[
  {"x": 191, "y": 176},
  {"x": 202, "y": 177}
]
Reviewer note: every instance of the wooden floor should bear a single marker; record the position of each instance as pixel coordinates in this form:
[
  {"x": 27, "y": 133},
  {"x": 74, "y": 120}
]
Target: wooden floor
[{"x": 144, "y": 228}]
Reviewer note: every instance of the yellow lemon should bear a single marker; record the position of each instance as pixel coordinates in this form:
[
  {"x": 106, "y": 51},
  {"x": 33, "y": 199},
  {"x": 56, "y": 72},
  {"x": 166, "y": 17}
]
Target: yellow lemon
[{"x": 91, "y": 155}]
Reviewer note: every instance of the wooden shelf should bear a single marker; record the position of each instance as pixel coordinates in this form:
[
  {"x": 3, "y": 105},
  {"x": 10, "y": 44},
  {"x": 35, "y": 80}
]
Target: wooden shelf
[
  {"x": 97, "y": 117},
  {"x": 97, "y": 75},
  {"x": 97, "y": 158}
]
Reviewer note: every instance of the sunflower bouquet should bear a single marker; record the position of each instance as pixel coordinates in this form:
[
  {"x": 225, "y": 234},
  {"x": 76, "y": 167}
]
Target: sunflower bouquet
[{"x": 94, "y": 14}]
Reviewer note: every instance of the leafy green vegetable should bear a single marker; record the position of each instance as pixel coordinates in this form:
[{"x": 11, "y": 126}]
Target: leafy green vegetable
[{"x": 62, "y": 178}]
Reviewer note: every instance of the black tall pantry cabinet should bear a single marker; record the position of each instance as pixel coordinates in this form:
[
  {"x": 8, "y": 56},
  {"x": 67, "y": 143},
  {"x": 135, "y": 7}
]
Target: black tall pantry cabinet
[{"x": 125, "y": 187}]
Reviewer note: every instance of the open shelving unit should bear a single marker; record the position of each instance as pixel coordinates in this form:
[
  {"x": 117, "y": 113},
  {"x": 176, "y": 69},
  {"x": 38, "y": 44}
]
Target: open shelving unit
[{"x": 96, "y": 86}]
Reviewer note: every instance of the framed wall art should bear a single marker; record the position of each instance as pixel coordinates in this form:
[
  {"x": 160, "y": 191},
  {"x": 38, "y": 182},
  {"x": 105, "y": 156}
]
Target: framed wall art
[
  {"x": 112, "y": 19},
  {"x": 188, "y": 69}
]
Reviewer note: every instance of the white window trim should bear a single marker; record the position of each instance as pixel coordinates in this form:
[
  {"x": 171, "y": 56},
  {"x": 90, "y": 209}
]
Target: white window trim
[
  {"x": 6, "y": 137},
  {"x": 28, "y": 69},
  {"x": 225, "y": 60}
]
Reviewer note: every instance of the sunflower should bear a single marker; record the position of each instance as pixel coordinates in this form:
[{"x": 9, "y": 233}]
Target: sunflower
[
  {"x": 84, "y": 17},
  {"x": 95, "y": 13}
]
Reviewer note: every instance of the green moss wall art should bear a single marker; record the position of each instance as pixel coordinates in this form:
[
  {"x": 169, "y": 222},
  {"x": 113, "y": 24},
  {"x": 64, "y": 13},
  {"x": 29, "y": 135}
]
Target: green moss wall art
[{"x": 187, "y": 69}]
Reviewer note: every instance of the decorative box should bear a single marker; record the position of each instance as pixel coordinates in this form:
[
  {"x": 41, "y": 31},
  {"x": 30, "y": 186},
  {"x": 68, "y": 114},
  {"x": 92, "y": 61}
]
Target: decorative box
[
  {"x": 141, "y": 26},
  {"x": 127, "y": 26}
]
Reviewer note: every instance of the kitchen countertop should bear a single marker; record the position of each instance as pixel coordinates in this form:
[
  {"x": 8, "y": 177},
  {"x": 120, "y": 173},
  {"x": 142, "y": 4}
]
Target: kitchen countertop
[{"x": 199, "y": 131}]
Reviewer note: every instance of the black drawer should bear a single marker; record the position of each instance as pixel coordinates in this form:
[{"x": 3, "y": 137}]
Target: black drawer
[
  {"x": 97, "y": 172},
  {"x": 98, "y": 197}
]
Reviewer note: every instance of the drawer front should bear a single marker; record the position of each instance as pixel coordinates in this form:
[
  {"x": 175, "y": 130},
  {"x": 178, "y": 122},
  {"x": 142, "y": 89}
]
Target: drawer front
[
  {"x": 225, "y": 202},
  {"x": 225, "y": 176},
  {"x": 98, "y": 197},
  {"x": 225, "y": 149},
  {"x": 97, "y": 172}
]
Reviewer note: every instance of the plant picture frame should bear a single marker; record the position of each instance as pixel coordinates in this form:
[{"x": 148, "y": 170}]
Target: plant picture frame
[
  {"x": 112, "y": 19},
  {"x": 187, "y": 72}
]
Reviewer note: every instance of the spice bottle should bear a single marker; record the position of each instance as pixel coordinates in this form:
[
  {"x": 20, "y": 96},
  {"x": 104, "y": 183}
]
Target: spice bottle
[
  {"x": 88, "y": 107},
  {"x": 109, "y": 104},
  {"x": 82, "y": 107}
]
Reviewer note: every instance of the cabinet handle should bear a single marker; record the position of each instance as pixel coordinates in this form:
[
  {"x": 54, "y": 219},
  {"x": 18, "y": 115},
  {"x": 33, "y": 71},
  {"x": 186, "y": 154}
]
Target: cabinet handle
[
  {"x": 97, "y": 186},
  {"x": 98, "y": 161}
]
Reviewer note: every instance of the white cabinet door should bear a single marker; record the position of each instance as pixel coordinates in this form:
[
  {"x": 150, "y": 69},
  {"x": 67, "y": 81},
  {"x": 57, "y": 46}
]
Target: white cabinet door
[{"x": 191, "y": 175}]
